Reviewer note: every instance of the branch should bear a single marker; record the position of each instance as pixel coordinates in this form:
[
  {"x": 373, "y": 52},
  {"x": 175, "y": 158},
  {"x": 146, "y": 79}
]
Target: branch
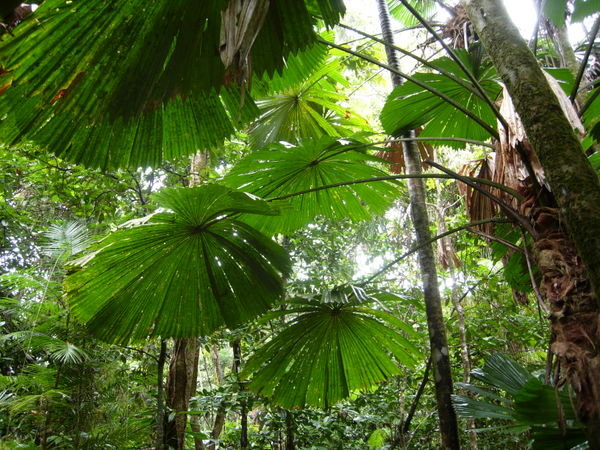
[
  {"x": 425, "y": 86},
  {"x": 429, "y": 242},
  {"x": 457, "y": 61},
  {"x": 506, "y": 208},
  {"x": 467, "y": 180},
  {"x": 586, "y": 57}
]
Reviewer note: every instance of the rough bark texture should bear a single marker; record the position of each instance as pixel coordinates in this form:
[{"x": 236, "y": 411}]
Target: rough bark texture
[
  {"x": 237, "y": 364},
  {"x": 183, "y": 374},
  {"x": 570, "y": 176},
  {"x": 160, "y": 402},
  {"x": 570, "y": 291},
  {"x": 433, "y": 305}
]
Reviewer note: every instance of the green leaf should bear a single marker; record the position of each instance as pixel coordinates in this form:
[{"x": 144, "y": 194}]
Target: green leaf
[
  {"x": 410, "y": 106},
  {"x": 583, "y": 9},
  {"x": 555, "y": 11},
  {"x": 66, "y": 239},
  {"x": 504, "y": 373},
  {"x": 425, "y": 8},
  {"x": 113, "y": 84},
  {"x": 325, "y": 353},
  {"x": 287, "y": 169},
  {"x": 307, "y": 110},
  {"x": 195, "y": 271}
]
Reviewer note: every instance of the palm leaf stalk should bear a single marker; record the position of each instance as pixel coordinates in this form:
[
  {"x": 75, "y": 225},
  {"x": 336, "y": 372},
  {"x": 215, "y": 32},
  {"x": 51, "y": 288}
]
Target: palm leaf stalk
[
  {"x": 482, "y": 94},
  {"x": 457, "y": 60},
  {"x": 183, "y": 274},
  {"x": 491, "y": 131}
]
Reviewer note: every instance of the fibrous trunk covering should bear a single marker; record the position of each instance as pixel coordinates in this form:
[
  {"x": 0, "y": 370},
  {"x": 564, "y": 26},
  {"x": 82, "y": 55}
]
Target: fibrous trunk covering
[{"x": 574, "y": 201}]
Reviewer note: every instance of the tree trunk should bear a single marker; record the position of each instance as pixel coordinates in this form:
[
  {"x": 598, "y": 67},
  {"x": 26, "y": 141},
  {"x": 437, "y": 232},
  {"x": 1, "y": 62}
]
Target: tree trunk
[
  {"x": 290, "y": 428},
  {"x": 573, "y": 182},
  {"x": 237, "y": 363},
  {"x": 221, "y": 415},
  {"x": 183, "y": 374},
  {"x": 571, "y": 291},
  {"x": 160, "y": 401},
  {"x": 433, "y": 304}
]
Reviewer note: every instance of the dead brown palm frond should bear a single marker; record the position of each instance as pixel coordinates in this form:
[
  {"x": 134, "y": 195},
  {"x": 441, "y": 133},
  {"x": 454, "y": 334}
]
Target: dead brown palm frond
[
  {"x": 479, "y": 207},
  {"x": 240, "y": 24},
  {"x": 396, "y": 156}
]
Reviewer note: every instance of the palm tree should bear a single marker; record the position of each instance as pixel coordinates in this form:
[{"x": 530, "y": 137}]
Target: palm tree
[{"x": 433, "y": 304}]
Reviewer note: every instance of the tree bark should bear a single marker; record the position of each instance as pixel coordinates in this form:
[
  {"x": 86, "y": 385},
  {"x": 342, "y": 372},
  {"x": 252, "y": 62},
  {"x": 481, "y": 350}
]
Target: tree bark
[
  {"x": 573, "y": 182},
  {"x": 183, "y": 374},
  {"x": 433, "y": 305},
  {"x": 572, "y": 292},
  {"x": 237, "y": 363},
  {"x": 160, "y": 401}
]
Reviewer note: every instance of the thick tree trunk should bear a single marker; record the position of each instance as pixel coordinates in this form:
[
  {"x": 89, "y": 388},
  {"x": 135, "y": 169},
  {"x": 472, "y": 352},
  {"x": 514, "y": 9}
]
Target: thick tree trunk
[
  {"x": 573, "y": 182},
  {"x": 433, "y": 305},
  {"x": 183, "y": 374},
  {"x": 571, "y": 291}
]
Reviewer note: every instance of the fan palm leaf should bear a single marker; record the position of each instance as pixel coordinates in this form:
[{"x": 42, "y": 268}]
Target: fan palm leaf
[
  {"x": 410, "y": 106},
  {"x": 137, "y": 82},
  {"x": 285, "y": 169},
  {"x": 307, "y": 110},
  {"x": 66, "y": 239},
  {"x": 185, "y": 273},
  {"x": 327, "y": 352},
  {"x": 528, "y": 404}
]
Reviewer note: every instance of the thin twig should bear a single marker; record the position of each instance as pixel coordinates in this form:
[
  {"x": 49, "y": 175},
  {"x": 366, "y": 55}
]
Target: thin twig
[
  {"x": 585, "y": 59},
  {"x": 508, "y": 210},
  {"x": 429, "y": 242}
]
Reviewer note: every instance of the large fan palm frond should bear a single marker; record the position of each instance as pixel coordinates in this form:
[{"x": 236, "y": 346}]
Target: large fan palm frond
[
  {"x": 310, "y": 109},
  {"x": 126, "y": 83},
  {"x": 411, "y": 106},
  {"x": 328, "y": 351},
  {"x": 66, "y": 239},
  {"x": 184, "y": 274},
  {"x": 528, "y": 404},
  {"x": 286, "y": 169}
]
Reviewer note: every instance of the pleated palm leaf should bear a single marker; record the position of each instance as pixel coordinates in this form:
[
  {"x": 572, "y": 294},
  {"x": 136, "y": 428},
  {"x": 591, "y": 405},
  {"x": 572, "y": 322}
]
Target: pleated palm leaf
[
  {"x": 126, "y": 83},
  {"x": 309, "y": 109},
  {"x": 285, "y": 170},
  {"x": 411, "y": 106},
  {"x": 528, "y": 404},
  {"x": 333, "y": 347},
  {"x": 66, "y": 239},
  {"x": 183, "y": 274}
]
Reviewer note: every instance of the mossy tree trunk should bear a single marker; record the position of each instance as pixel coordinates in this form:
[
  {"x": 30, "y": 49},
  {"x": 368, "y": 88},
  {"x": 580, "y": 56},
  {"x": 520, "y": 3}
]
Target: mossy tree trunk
[
  {"x": 569, "y": 262},
  {"x": 433, "y": 305}
]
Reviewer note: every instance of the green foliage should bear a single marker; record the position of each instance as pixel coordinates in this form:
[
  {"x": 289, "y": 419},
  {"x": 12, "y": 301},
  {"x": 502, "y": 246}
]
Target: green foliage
[
  {"x": 309, "y": 109},
  {"x": 410, "y": 106},
  {"x": 184, "y": 274},
  {"x": 556, "y": 10},
  {"x": 528, "y": 404},
  {"x": 286, "y": 170},
  {"x": 79, "y": 84},
  {"x": 331, "y": 348}
]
